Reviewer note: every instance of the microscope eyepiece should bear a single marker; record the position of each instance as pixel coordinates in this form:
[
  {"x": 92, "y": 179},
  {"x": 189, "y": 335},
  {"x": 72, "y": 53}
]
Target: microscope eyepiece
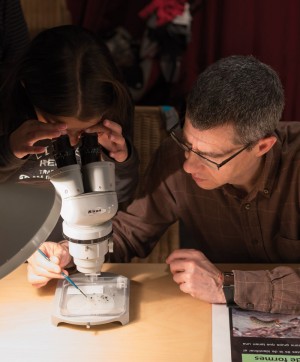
[
  {"x": 89, "y": 200},
  {"x": 63, "y": 152},
  {"x": 90, "y": 149}
]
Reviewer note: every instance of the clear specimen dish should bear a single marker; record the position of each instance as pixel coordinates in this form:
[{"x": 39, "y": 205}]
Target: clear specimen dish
[{"x": 106, "y": 296}]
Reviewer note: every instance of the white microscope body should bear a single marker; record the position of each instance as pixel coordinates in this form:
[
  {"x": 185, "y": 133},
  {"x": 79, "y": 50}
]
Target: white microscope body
[{"x": 89, "y": 201}]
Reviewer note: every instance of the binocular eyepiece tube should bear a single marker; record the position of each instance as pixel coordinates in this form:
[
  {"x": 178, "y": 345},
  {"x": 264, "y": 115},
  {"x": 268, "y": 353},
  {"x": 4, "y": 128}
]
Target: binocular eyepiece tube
[
  {"x": 89, "y": 200},
  {"x": 65, "y": 155}
]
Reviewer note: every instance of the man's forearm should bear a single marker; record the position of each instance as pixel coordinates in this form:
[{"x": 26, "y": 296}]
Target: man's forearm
[{"x": 273, "y": 291}]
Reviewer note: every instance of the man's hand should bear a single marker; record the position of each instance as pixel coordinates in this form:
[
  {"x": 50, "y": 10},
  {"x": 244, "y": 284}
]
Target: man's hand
[
  {"x": 111, "y": 138},
  {"x": 22, "y": 140},
  {"x": 41, "y": 270},
  {"x": 196, "y": 275}
]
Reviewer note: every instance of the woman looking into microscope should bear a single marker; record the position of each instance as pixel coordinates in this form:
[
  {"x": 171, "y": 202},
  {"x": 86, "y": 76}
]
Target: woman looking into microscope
[{"x": 65, "y": 83}]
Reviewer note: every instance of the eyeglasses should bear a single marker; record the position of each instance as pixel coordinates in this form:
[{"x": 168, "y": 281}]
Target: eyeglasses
[{"x": 176, "y": 135}]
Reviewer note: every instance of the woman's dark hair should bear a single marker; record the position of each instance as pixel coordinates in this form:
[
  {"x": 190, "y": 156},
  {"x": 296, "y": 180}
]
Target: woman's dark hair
[{"x": 67, "y": 71}]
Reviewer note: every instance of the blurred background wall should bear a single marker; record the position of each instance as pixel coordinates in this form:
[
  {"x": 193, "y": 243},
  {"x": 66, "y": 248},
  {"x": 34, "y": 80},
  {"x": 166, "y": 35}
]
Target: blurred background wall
[
  {"x": 43, "y": 14},
  {"x": 267, "y": 29}
]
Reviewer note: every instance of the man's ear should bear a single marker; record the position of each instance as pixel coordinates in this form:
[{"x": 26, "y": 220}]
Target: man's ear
[{"x": 264, "y": 145}]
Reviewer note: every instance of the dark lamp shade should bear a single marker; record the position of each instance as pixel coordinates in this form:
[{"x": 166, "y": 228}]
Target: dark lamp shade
[{"x": 28, "y": 213}]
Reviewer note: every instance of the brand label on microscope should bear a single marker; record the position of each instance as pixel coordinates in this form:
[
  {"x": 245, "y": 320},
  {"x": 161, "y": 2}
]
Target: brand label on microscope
[{"x": 98, "y": 210}]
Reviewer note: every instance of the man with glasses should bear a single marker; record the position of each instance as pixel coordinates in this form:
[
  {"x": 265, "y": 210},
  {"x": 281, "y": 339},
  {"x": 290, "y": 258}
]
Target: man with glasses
[{"x": 233, "y": 183}]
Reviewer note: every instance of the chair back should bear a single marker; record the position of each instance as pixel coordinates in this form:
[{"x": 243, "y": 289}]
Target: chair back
[{"x": 150, "y": 129}]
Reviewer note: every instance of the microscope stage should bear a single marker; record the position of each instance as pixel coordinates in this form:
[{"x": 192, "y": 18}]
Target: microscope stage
[{"x": 107, "y": 300}]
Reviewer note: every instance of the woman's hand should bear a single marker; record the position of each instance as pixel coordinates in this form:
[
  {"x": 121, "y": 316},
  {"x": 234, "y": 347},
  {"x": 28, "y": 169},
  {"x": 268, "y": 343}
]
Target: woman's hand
[
  {"x": 41, "y": 270},
  {"x": 22, "y": 140},
  {"x": 110, "y": 137}
]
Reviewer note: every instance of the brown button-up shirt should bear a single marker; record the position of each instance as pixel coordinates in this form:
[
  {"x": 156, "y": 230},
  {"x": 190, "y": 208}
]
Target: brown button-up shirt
[{"x": 227, "y": 225}]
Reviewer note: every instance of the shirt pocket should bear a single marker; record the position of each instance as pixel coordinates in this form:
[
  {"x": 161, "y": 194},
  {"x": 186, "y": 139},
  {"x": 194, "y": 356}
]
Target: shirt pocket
[{"x": 288, "y": 250}]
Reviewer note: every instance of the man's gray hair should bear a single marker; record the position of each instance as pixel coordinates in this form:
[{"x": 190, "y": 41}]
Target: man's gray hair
[{"x": 237, "y": 90}]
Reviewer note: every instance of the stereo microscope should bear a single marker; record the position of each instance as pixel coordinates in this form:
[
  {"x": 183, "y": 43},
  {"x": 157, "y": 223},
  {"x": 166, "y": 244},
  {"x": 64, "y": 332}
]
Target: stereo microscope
[{"x": 89, "y": 202}]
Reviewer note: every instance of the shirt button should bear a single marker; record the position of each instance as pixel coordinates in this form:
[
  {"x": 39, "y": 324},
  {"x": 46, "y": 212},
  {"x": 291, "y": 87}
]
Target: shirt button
[
  {"x": 247, "y": 206},
  {"x": 249, "y": 306},
  {"x": 255, "y": 241},
  {"x": 266, "y": 191}
]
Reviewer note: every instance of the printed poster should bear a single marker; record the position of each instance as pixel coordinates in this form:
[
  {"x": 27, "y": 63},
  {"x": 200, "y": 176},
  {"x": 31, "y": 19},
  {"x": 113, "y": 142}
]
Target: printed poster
[{"x": 250, "y": 336}]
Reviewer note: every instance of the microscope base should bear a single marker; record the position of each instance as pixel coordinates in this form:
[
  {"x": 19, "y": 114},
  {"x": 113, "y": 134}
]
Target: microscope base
[{"x": 108, "y": 300}]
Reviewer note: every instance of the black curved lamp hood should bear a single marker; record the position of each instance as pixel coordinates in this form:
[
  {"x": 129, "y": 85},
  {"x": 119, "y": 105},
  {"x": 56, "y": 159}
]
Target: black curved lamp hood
[{"x": 28, "y": 213}]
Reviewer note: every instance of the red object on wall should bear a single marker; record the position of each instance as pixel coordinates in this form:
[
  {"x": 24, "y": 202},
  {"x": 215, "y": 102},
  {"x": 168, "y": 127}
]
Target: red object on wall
[{"x": 267, "y": 29}]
